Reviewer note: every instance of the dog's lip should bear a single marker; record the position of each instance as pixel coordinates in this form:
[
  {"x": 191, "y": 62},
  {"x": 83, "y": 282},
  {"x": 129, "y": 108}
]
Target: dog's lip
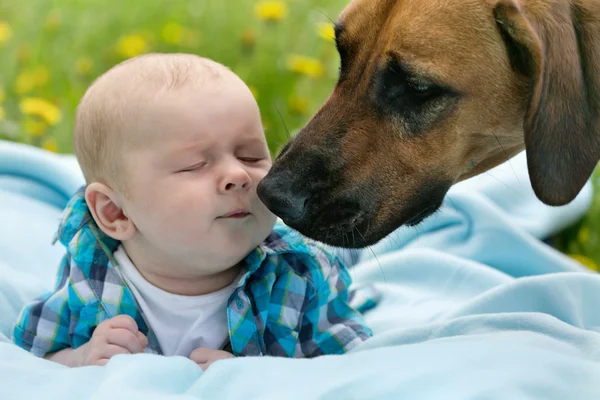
[
  {"x": 418, "y": 217},
  {"x": 236, "y": 213}
]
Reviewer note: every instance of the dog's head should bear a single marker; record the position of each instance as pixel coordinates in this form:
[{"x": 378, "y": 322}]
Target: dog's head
[{"x": 431, "y": 92}]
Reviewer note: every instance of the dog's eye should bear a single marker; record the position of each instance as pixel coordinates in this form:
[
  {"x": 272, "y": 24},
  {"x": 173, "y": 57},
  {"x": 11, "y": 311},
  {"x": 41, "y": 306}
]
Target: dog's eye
[
  {"x": 398, "y": 85},
  {"x": 416, "y": 101},
  {"x": 421, "y": 87}
]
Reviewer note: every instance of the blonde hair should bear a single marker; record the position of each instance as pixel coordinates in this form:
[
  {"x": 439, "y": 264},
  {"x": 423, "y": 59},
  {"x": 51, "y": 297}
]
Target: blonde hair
[{"x": 108, "y": 109}]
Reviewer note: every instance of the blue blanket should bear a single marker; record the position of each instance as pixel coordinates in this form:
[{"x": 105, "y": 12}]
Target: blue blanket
[{"x": 475, "y": 306}]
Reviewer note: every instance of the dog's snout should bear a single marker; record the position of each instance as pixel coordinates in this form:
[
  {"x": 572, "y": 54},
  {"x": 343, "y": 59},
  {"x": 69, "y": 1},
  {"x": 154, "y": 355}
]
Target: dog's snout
[{"x": 277, "y": 193}]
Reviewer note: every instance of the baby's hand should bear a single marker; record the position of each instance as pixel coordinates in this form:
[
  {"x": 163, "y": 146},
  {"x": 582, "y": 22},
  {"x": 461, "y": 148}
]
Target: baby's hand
[
  {"x": 205, "y": 357},
  {"x": 118, "y": 335}
]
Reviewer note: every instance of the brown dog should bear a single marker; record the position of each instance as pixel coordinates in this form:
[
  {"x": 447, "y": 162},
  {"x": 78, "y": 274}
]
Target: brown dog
[{"x": 432, "y": 92}]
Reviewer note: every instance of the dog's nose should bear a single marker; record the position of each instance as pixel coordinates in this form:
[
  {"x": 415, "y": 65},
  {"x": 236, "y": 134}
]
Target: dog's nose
[{"x": 277, "y": 194}]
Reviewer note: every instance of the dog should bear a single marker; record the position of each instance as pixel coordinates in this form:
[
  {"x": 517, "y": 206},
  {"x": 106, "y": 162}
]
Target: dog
[{"x": 432, "y": 92}]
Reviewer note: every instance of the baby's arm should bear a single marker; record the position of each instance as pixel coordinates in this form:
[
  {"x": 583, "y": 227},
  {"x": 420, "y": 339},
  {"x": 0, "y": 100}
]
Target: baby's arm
[
  {"x": 118, "y": 335},
  {"x": 43, "y": 324},
  {"x": 44, "y": 327}
]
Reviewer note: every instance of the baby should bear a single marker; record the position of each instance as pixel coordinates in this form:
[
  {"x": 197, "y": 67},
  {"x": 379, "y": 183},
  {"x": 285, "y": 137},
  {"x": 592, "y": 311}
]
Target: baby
[{"x": 169, "y": 250}]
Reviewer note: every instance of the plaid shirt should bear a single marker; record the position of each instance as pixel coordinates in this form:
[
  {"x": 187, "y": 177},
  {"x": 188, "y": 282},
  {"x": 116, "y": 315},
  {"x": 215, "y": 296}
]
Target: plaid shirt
[{"x": 292, "y": 300}]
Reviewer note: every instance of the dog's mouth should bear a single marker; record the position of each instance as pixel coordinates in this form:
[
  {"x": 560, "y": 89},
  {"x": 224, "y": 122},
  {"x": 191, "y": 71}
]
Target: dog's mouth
[
  {"x": 339, "y": 223},
  {"x": 348, "y": 223}
]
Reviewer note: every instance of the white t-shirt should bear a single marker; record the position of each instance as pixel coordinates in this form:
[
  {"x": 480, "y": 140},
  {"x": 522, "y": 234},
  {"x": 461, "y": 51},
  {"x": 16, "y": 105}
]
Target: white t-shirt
[{"x": 181, "y": 323}]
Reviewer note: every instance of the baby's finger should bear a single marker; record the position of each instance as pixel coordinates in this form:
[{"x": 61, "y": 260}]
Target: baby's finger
[
  {"x": 124, "y": 322},
  {"x": 200, "y": 355},
  {"x": 112, "y": 350},
  {"x": 203, "y": 366},
  {"x": 102, "y": 362},
  {"x": 142, "y": 338},
  {"x": 126, "y": 339}
]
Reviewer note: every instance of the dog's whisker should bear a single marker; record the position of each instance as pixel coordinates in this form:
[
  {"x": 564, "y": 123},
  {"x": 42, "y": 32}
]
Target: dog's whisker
[
  {"x": 374, "y": 255},
  {"x": 506, "y": 155},
  {"x": 345, "y": 239},
  {"x": 325, "y": 15},
  {"x": 452, "y": 202},
  {"x": 513, "y": 189},
  {"x": 287, "y": 132}
]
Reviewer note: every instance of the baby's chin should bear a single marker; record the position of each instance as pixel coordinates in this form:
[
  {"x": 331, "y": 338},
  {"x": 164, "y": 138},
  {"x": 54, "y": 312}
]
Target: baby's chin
[{"x": 241, "y": 250}]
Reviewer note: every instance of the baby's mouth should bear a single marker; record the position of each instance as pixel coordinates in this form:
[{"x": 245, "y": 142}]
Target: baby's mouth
[{"x": 236, "y": 214}]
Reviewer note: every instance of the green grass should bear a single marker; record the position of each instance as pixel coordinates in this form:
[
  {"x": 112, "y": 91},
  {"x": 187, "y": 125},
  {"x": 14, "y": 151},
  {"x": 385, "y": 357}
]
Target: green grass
[{"x": 57, "y": 47}]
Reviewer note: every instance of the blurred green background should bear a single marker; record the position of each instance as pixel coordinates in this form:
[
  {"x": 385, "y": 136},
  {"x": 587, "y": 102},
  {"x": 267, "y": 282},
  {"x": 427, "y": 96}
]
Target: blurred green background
[{"x": 51, "y": 50}]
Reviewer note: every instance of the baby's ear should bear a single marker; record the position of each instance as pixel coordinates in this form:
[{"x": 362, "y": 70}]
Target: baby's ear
[{"x": 107, "y": 211}]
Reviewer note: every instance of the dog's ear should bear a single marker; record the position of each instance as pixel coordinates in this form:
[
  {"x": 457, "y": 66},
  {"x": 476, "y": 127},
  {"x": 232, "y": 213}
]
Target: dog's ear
[{"x": 559, "y": 54}]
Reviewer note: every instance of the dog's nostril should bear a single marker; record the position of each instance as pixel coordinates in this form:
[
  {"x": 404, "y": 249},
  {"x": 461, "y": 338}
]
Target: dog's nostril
[
  {"x": 281, "y": 200},
  {"x": 294, "y": 207}
]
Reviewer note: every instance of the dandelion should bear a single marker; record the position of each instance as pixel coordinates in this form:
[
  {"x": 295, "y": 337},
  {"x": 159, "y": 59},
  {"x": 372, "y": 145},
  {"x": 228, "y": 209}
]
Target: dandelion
[
  {"x": 586, "y": 261},
  {"x": 24, "y": 53},
  {"x": 298, "y": 105},
  {"x": 34, "y": 127},
  {"x": 36, "y": 106},
  {"x": 5, "y": 32},
  {"x": 31, "y": 78},
  {"x": 50, "y": 144},
  {"x": 40, "y": 75},
  {"x": 270, "y": 10},
  {"x": 83, "y": 65},
  {"x": 305, "y": 65},
  {"x": 53, "y": 21},
  {"x": 190, "y": 38},
  {"x": 131, "y": 45},
  {"x": 326, "y": 31},
  {"x": 2, "y": 113},
  {"x": 24, "y": 83},
  {"x": 249, "y": 37},
  {"x": 172, "y": 33},
  {"x": 583, "y": 236}
]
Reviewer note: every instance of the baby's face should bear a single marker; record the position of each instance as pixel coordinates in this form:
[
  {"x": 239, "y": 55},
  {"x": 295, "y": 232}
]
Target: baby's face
[{"x": 192, "y": 179}]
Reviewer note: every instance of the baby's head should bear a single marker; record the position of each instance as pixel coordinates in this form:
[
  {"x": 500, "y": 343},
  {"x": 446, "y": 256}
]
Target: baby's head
[{"x": 172, "y": 148}]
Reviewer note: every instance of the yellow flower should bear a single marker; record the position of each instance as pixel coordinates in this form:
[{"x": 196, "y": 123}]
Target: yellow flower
[
  {"x": 131, "y": 46},
  {"x": 298, "y": 105},
  {"x": 29, "y": 79},
  {"x": 84, "y": 65},
  {"x": 270, "y": 10},
  {"x": 50, "y": 144},
  {"x": 190, "y": 38},
  {"x": 34, "y": 127},
  {"x": 305, "y": 65},
  {"x": 40, "y": 75},
  {"x": 249, "y": 37},
  {"x": 24, "y": 53},
  {"x": 583, "y": 236},
  {"x": 254, "y": 91},
  {"x": 25, "y": 82},
  {"x": 2, "y": 113},
  {"x": 5, "y": 32},
  {"x": 326, "y": 31},
  {"x": 586, "y": 261},
  {"x": 172, "y": 33},
  {"x": 36, "y": 106},
  {"x": 53, "y": 21}
]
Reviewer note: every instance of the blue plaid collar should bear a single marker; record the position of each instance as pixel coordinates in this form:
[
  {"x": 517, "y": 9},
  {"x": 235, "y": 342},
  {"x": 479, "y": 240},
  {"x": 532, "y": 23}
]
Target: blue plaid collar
[
  {"x": 77, "y": 226},
  {"x": 77, "y": 220}
]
